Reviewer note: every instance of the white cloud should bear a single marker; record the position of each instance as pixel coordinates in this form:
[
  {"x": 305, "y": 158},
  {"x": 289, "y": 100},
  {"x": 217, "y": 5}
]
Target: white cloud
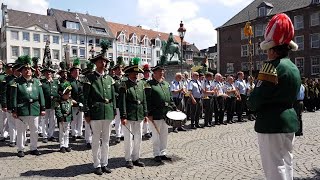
[
  {"x": 35, "y": 6},
  {"x": 167, "y": 14},
  {"x": 229, "y": 3}
]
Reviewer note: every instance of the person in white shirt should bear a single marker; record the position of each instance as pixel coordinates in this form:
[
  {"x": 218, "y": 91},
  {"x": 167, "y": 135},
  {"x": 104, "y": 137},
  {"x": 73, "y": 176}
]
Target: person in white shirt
[
  {"x": 231, "y": 93},
  {"x": 241, "y": 103}
]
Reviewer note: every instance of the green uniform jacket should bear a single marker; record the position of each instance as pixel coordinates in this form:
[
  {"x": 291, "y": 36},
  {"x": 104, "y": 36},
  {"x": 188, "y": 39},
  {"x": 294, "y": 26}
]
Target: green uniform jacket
[
  {"x": 99, "y": 97},
  {"x": 132, "y": 100},
  {"x": 2, "y": 76},
  {"x": 273, "y": 102},
  {"x": 50, "y": 91},
  {"x": 6, "y": 101},
  {"x": 77, "y": 90},
  {"x": 159, "y": 99},
  {"x": 63, "y": 110},
  {"x": 27, "y": 97},
  {"x": 117, "y": 85}
]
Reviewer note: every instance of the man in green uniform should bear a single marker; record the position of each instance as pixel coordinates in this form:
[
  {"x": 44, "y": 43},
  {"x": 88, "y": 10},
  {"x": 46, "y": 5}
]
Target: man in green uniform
[
  {"x": 6, "y": 100},
  {"x": 273, "y": 97},
  {"x": 3, "y": 117},
  {"x": 159, "y": 102},
  {"x": 50, "y": 90},
  {"x": 77, "y": 95},
  {"x": 133, "y": 111},
  {"x": 28, "y": 104},
  {"x": 146, "y": 77},
  {"x": 100, "y": 109},
  {"x": 118, "y": 77}
]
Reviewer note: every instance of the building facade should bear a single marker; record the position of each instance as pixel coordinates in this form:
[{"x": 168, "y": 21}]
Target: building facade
[{"x": 233, "y": 46}]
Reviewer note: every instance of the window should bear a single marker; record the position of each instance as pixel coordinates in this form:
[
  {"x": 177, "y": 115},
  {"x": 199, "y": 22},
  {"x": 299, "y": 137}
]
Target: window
[
  {"x": 73, "y": 39},
  {"x": 259, "y": 51},
  {"x": 90, "y": 41},
  {"x": 134, "y": 39},
  {"x": 26, "y": 36},
  {"x": 72, "y": 25},
  {"x": 55, "y": 39},
  {"x": 299, "y": 61},
  {"x": 45, "y": 38},
  {"x": 122, "y": 38},
  {"x": 36, "y": 37},
  {"x": 36, "y": 52},
  {"x": 244, "y": 50},
  {"x": 120, "y": 48},
  {"x": 245, "y": 66},
  {"x": 82, "y": 52},
  {"x": 15, "y": 51},
  {"x": 242, "y": 35},
  {"x": 259, "y": 65},
  {"x": 74, "y": 51},
  {"x": 56, "y": 54},
  {"x": 259, "y": 30},
  {"x": 149, "y": 51},
  {"x": 158, "y": 43},
  {"x": 300, "y": 41},
  {"x": 230, "y": 68},
  {"x": 126, "y": 49},
  {"x": 315, "y": 65},
  {"x": 82, "y": 39},
  {"x": 138, "y": 50},
  {"x": 26, "y": 51},
  {"x": 314, "y": 19},
  {"x": 262, "y": 11},
  {"x": 144, "y": 50},
  {"x": 14, "y": 35},
  {"x": 110, "y": 56},
  {"x": 97, "y": 30},
  {"x": 315, "y": 40},
  {"x": 158, "y": 54},
  {"x": 66, "y": 38},
  {"x": 298, "y": 22},
  {"x": 146, "y": 41},
  {"x": 97, "y": 42}
]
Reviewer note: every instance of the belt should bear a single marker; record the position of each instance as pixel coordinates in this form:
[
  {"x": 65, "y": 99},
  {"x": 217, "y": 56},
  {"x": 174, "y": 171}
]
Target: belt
[
  {"x": 106, "y": 101},
  {"x": 28, "y": 102},
  {"x": 197, "y": 98},
  {"x": 138, "y": 102}
]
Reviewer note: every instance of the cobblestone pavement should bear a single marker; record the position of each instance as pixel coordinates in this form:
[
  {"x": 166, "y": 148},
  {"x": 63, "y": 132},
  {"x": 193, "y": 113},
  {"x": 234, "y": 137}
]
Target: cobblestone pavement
[{"x": 221, "y": 152}]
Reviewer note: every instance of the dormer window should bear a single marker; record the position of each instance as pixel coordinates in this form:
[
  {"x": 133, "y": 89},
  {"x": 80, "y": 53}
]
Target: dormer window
[
  {"x": 146, "y": 41},
  {"x": 264, "y": 9},
  {"x": 122, "y": 38},
  {"x": 134, "y": 39},
  {"x": 72, "y": 25},
  {"x": 158, "y": 43},
  {"x": 97, "y": 30}
]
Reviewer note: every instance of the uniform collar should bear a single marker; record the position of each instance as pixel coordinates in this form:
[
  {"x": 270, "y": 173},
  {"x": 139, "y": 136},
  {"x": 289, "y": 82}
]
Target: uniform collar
[{"x": 25, "y": 80}]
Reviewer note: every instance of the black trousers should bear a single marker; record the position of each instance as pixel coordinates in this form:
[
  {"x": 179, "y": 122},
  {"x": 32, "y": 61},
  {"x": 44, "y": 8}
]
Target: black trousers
[
  {"x": 241, "y": 106},
  {"x": 219, "y": 107},
  {"x": 195, "y": 112},
  {"x": 298, "y": 107},
  {"x": 177, "y": 102},
  {"x": 208, "y": 110},
  {"x": 187, "y": 106},
  {"x": 230, "y": 107}
]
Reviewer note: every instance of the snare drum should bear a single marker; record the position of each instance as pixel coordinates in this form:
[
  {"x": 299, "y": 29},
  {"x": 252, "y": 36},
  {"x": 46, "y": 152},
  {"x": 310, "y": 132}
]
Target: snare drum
[{"x": 176, "y": 118}]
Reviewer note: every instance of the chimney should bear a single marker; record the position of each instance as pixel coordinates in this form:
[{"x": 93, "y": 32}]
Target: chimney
[{"x": 139, "y": 26}]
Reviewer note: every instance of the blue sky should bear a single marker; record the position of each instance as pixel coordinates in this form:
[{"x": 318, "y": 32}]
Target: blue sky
[{"x": 200, "y": 17}]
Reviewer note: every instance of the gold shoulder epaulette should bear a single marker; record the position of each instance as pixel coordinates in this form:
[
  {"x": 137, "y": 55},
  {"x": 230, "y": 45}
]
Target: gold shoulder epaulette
[
  {"x": 147, "y": 85},
  {"x": 14, "y": 84},
  {"x": 268, "y": 73}
]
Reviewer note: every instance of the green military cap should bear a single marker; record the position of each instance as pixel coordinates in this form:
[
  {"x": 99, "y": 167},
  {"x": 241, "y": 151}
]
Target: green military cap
[
  {"x": 119, "y": 63},
  {"x": 133, "y": 66},
  {"x": 105, "y": 45},
  {"x": 66, "y": 87},
  {"x": 90, "y": 67},
  {"x": 76, "y": 64},
  {"x": 24, "y": 62}
]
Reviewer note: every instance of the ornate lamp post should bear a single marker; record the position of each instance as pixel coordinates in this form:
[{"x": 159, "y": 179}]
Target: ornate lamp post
[
  {"x": 249, "y": 33},
  {"x": 182, "y": 31}
]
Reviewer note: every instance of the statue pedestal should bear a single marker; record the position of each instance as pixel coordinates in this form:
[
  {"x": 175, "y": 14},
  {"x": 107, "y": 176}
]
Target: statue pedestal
[{"x": 172, "y": 67}]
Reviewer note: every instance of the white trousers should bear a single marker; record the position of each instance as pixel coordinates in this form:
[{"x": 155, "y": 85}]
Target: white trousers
[
  {"x": 146, "y": 128},
  {"x": 4, "y": 127},
  {"x": 64, "y": 134},
  {"x": 101, "y": 129},
  {"x": 276, "y": 155},
  {"x": 132, "y": 147},
  {"x": 77, "y": 122},
  {"x": 159, "y": 140},
  {"x": 87, "y": 133},
  {"x": 117, "y": 124},
  {"x": 48, "y": 123},
  {"x": 40, "y": 124},
  {"x": 12, "y": 127},
  {"x": 32, "y": 122}
]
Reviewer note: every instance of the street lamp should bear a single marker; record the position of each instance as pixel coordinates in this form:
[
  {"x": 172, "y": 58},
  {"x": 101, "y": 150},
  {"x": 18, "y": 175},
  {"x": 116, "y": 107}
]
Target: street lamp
[{"x": 182, "y": 32}]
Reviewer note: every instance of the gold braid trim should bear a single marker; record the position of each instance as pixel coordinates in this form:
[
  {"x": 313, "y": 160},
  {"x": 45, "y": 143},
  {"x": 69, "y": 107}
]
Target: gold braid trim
[{"x": 268, "y": 73}]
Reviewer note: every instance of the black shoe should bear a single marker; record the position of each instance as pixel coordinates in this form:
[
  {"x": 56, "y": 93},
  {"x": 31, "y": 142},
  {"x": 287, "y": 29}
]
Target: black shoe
[
  {"x": 36, "y": 152},
  {"x": 106, "y": 170},
  {"x": 122, "y": 138},
  {"x": 198, "y": 126},
  {"x": 224, "y": 123},
  {"x": 68, "y": 149},
  {"x": 118, "y": 140},
  {"x": 147, "y": 136},
  {"x": 53, "y": 139},
  {"x": 165, "y": 158},
  {"x": 229, "y": 122},
  {"x": 98, "y": 171},
  {"x": 20, "y": 154},
  {"x": 193, "y": 127},
  {"x": 207, "y": 125},
  {"x": 13, "y": 144},
  {"x": 74, "y": 138},
  {"x": 138, "y": 163},
  {"x": 80, "y": 137},
  {"x": 89, "y": 145},
  {"x": 129, "y": 165},
  {"x": 217, "y": 123},
  {"x": 45, "y": 140},
  {"x": 181, "y": 129},
  {"x": 298, "y": 134},
  {"x": 63, "y": 150},
  {"x": 175, "y": 130},
  {"x": 158, "y": 159},
  {"x": 40, "y": 134},
  {"x": 2, "y": 139}
]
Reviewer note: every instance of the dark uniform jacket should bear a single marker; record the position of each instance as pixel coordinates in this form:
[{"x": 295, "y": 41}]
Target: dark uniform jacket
[
  {"x": 50, "y": 91},
  {"x": 159, "y": 99},
  {"x": 99, "y": 97},
  {"x": 274, "y": 95},
  {"x": 27, "y": 97},
  {"x": 63, "y": 110},
  {"x": 77, "y": 90},
  {"x": 132, "y": 100},
  {"x": 117, "y": 85},
  {"x": 6, "y": 97}
]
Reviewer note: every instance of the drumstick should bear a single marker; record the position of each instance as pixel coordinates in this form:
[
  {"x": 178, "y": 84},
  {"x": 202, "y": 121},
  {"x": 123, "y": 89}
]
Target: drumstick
[
  {"x": 154, "y": 124},
  {"x": 129, "y": 131}
]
